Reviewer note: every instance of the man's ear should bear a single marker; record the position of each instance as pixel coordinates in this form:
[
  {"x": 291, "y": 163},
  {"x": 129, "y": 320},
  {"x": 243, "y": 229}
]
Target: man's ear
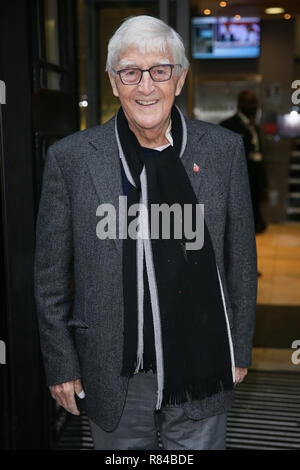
[
  {"x": 180, "y": 82},
  {"x": 113, "y": 84}
]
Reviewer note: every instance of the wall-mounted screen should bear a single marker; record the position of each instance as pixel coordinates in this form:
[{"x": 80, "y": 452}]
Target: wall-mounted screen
[{"x": 225, "y": 38}]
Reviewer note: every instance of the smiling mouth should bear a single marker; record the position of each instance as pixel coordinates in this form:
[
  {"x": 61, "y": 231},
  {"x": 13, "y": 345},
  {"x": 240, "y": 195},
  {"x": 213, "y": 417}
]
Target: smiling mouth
[{"x": 146, "y": 103}]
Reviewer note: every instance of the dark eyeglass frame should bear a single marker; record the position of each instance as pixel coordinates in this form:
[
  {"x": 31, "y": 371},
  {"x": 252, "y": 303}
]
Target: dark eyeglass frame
[{"x": 146, "y": 70}]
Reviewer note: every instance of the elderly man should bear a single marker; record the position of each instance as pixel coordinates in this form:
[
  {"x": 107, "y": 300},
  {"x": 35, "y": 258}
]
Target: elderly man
[{"x": 160, "y": 327}]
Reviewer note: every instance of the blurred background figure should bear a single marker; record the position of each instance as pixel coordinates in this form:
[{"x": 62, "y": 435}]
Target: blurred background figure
[{"x": 243, "y": 123}]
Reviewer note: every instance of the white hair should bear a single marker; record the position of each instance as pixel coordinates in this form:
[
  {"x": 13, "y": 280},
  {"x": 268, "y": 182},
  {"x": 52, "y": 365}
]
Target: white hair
[{"x": 148, "y": 34}]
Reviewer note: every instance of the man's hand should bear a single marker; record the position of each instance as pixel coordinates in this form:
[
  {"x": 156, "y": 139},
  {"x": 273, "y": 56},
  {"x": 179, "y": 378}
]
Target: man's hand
[
  {"x": 240, "y": 374},
  {"x": 64, "y": 395}
]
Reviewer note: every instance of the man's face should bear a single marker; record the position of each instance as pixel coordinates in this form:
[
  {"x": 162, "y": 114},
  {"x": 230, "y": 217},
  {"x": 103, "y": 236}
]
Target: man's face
[
  {"x": 249, "y": 106},
  {"x": 148, "y": 104}
]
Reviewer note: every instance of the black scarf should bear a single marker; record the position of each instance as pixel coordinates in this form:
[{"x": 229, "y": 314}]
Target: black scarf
[{"x": 192, "y": 341}]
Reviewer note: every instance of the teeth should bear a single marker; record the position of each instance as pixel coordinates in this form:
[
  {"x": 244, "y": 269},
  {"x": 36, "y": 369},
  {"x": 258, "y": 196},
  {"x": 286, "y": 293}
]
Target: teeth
[{"x": 146, "y": 102}]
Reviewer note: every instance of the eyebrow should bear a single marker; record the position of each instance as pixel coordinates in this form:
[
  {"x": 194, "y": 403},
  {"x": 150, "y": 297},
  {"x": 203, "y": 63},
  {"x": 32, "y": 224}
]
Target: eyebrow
[{"x": 125, "y": 63}]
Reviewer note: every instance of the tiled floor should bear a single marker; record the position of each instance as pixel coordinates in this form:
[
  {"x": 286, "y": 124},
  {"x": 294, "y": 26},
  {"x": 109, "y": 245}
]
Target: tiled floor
[{"x": 278, "y": 250}]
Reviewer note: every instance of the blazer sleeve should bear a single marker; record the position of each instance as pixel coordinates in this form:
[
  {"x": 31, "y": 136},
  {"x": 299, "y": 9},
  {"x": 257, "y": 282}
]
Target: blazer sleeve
[
  {"x": 241, "y": 258},
  {"x": 53, "y": 268}
]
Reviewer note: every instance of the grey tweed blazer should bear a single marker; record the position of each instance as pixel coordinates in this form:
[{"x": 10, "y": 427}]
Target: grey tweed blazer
[{"x": 81, "y": 334}]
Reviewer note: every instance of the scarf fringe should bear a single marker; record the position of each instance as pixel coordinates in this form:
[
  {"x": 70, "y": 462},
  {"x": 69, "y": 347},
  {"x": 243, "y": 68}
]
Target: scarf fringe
[
  {"x": 197, "y": 391},
  {"x": 139, "y": 363}
]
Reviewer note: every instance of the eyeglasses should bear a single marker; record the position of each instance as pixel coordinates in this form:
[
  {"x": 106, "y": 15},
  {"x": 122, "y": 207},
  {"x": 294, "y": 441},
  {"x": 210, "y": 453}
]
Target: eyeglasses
[{"x": 158, "y": 73}]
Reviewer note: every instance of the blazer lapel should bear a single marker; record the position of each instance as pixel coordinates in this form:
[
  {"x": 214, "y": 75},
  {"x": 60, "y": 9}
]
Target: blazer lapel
[
  {"x": 196, "y": 153},
  {"x": 104, "y": 166}
]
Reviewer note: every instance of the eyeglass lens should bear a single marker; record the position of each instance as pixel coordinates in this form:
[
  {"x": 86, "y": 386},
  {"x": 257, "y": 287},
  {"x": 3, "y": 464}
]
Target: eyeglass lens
[{"x": 159, "y": 73}]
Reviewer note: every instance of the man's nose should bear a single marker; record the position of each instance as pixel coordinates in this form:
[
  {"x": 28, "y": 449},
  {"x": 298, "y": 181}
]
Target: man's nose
[{"x": 146, "y": 84}]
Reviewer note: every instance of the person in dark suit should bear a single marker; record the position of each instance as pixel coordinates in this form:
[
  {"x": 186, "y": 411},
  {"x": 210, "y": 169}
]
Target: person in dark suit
[
  {"x": 243, "y": 123},
  {"x": 160, "y": 328}
]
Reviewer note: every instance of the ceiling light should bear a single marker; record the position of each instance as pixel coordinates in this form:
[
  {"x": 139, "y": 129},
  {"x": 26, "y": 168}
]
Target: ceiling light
[
  {"x": 287, "y": 16},
  {"x": 222, "y": 4},
  {"x": 237, "y": 17},
  {"x": 207, "y": 11},
  {"x": 274, "y": 10}
]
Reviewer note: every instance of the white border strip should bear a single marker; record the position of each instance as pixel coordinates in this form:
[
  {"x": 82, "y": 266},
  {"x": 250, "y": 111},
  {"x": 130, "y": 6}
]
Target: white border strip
[
  {"x": 125, "y": 166},
  {"x": 184, "y": 132},
  {"x": 154, "y": 300},
  {"x": 228, "y": 328}
]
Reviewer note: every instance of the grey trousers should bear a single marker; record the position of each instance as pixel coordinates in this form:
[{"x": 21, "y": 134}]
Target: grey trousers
[{"x": 140, "y": 422}]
